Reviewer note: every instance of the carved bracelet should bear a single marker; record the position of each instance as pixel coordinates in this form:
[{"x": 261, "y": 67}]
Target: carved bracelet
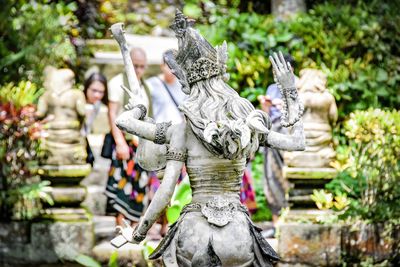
[
  {"x": 138, "y": 237},
  {"x": 175, "y": 154},
  {"x": 143, "y": 110},
  {"x": 161, "y": 132}
]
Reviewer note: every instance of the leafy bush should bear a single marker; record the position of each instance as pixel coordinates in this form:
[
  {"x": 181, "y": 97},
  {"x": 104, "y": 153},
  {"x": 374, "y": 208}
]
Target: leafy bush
[
  {"x": 371, "y": 172},
  {"x": 35, "y": 34},
  {"x": 21, "y": 190},
  {"x": 356, "y": 46}
]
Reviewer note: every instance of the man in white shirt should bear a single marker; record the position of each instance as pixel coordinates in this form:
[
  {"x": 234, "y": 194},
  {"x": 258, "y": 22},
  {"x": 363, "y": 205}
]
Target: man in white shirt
[
  {"x": 166, "y": 96},
  {"x": 127, "y": 182},
  {"x": 118, "y": 98}
]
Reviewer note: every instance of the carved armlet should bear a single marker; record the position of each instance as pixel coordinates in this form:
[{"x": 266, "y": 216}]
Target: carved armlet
[
  {"x": 138, "y": 237},
  {"x": 143, "y": 110},
  {"x": 161, "y": 132},
  {"x": 293, "y": 109},
  {"x": 176, "y": 154}
]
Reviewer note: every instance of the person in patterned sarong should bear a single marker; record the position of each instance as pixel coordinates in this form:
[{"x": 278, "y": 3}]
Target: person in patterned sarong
[
  {"x": 128, "y": 184},
  {"x": 275, "y": 186}
]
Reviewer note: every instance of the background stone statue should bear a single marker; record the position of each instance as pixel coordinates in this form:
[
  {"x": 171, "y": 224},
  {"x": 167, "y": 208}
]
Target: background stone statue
[
  {"x": 64, "y": 108},
  {"x": 320, "y": 114}
]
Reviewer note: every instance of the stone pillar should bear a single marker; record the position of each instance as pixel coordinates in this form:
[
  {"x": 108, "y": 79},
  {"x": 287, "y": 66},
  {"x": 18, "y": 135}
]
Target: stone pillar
[
  {"x": 66, "y": 191},
  {"x": 65, "y": 229}
]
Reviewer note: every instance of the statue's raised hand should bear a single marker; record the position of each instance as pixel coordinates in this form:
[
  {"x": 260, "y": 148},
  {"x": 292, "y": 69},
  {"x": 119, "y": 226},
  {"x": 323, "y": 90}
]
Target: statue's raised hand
[
  {"x": 127, "y": 234},
  {"x": 135, "y": 102},
  {"x": 283, "y": 72}
]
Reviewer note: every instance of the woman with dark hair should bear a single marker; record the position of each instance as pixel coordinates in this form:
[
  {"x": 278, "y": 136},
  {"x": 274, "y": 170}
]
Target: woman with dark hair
[{"x": 95, "y": 90}]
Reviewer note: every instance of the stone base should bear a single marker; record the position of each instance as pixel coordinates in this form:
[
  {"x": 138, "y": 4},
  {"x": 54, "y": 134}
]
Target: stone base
[
  {"x": 44, "y": 242},
  {"x": 64, "y": 173},
  {"x": 67, "y": 196},
  {"x": 309, "y": 244},
  {"x": 128, "y": 255},
  {"x": 309, "y": 215},
  {"x": 303, "y": 181},
  {"x": 66, "y": 214}
]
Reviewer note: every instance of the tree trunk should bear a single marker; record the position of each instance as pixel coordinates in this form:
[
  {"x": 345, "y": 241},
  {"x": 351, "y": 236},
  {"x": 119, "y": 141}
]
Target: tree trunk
[{"x": 283, "y": 9}]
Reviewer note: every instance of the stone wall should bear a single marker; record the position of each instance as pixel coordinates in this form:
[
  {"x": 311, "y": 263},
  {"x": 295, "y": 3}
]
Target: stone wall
[{"x": 305, "y": 245}]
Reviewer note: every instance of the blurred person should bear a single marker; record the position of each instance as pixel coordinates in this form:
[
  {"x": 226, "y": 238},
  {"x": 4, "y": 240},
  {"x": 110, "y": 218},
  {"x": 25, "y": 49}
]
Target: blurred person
[
  {"x": 96, "y": 93},
  {"x": 275, "y": 186},
  {"x": 166, "y": 95},
  {"x": 128, "y": 182}
]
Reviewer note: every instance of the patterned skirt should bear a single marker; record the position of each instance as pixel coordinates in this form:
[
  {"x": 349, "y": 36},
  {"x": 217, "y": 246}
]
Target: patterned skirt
[{"x": 128, "y": 186}]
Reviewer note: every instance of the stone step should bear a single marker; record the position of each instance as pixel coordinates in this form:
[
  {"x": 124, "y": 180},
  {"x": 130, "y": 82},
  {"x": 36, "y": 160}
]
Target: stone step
[
  {"x": 95, "y": 200},
  {"x": 104, "y": 226},
  {"x": 128, "y": 255},
  {"x": 301, "y": 201},
  {"x": 308, "y": 214}
]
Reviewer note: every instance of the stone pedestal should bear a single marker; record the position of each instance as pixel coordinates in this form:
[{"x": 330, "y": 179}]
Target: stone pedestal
[
  {"x": 303, "y": 181},
  {"x": 41, "y": 242},
  {"x": 64, "y": 230},
  {"x": 66, "y": 191}
]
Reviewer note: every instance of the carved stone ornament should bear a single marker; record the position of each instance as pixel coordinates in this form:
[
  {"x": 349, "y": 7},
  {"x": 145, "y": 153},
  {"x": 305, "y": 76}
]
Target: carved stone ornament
[
  {"x": 161, "y": 132},
  {"x": 175, "y": 154},
  {"x": 219, "y": 211}
]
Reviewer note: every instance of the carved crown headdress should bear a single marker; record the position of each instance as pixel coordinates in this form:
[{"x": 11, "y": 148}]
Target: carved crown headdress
[{"x": 196, "y": 58}]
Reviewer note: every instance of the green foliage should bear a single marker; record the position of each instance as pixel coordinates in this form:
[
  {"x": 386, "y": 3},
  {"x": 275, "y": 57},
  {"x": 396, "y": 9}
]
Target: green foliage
[
  {"x": 182, "y": 196},
  {"x": 113, "y": 261},
  {"x": 21, "y": 190},
  {"x": 372, "y": 169},
  {"x": 33, "y": 35},
  {"x": 87, "y": 261},
  {"x": 325, "y": 200},
  {"x": 356, "y": 46},
  {"x": 139, "y": 17}
]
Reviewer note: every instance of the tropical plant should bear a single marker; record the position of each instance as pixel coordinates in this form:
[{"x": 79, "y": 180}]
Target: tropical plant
[
  {"x": 87, "y": 261},
  {"x": 34, "y": 34},
  {"x": 371, "y": 170},
  {"x": 21, "y": 190}
]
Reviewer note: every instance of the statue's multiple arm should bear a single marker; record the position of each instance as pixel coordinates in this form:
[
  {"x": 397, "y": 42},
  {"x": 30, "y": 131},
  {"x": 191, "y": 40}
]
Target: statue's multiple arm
[
  {"x": 173, "y": 169},
  {"x": 130, "y": 121},
  {"x": 176, "y": 156}
]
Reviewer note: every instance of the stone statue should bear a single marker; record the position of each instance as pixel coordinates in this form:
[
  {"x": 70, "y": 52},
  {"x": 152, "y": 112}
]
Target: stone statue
[
  {"x": 221, "y": 131},
  {"x": 319, "y": 116},
  {"x": 64, "y": 108}
]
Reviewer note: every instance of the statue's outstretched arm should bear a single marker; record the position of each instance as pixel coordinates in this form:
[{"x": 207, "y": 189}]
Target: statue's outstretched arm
[
  {"x": 176, "y": 156},
  {"x": 294, "y": 141},
  {"x": 131, "y": 121},
  {"x": 292, "y": 108}
]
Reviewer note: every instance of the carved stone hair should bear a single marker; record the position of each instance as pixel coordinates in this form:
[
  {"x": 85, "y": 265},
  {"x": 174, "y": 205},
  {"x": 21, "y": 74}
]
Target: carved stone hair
[{"x": 216, "y": 113}]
